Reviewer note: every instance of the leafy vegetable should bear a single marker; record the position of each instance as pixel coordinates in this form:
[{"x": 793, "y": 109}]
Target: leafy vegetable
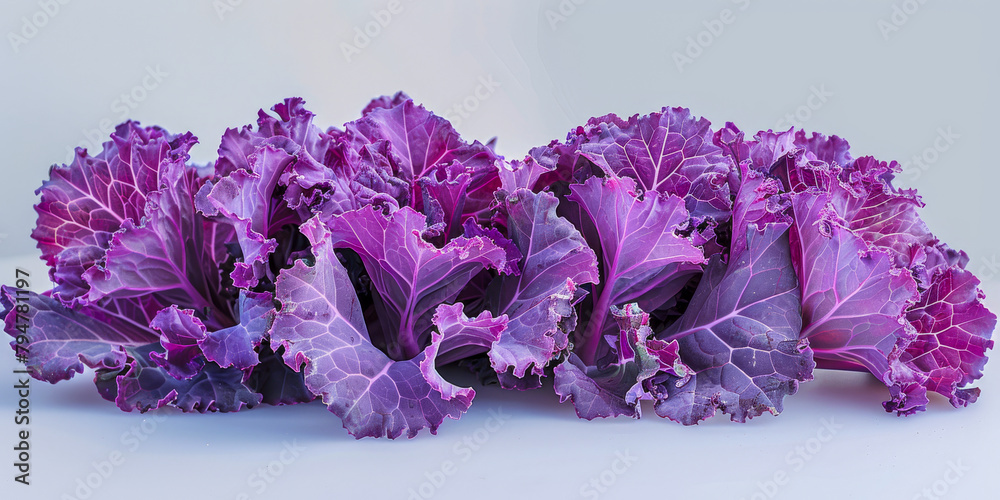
[
  {"x": 539, "y": 301},
  {"x": 649, "y": 258},
  {"x": 321, "y": 325}
]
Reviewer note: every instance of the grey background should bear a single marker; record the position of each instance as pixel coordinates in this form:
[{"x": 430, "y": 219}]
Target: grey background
[{"x": 890, "y": 97}]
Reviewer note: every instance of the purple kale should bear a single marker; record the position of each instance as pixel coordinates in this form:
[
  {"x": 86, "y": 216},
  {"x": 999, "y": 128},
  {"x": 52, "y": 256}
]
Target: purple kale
[
  {"x": 322, "y": 328},
  {"x": 650, "y": 258}
]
